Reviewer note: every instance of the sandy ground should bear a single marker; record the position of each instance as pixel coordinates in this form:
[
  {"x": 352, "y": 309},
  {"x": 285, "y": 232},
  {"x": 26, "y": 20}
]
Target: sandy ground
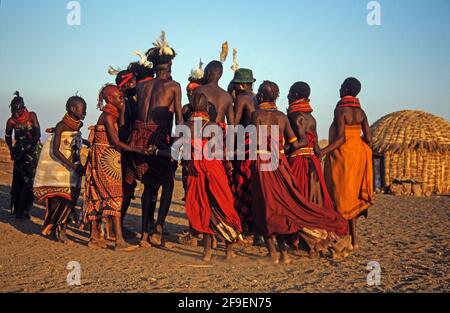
[{"x": 408, "y": 237}]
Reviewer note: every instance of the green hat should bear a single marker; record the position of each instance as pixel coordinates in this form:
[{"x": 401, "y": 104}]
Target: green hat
[{"x": 243, "y": 76}]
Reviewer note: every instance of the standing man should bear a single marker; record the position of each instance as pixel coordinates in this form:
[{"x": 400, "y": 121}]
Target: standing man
[
  {"x": 158, "y": 100},
  {"x": 244, "y": 106}
]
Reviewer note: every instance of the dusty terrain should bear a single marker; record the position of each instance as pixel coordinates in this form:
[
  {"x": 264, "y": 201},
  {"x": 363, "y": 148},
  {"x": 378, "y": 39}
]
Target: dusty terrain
[{"x": 408, "y": 237}]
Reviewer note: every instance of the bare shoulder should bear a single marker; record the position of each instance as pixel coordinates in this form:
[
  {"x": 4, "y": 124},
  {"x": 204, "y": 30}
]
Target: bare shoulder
[
  {"x": 173, "y": 84},
  {"x": 281, "y": 114}
]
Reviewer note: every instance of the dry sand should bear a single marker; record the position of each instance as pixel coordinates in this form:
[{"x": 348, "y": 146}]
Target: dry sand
[{"x": 408, "y": 237}]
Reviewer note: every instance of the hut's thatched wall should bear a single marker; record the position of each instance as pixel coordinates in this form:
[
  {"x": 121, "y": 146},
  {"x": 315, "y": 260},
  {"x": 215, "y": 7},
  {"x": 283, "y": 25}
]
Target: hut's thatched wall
[{"x": 415, "y": 149}]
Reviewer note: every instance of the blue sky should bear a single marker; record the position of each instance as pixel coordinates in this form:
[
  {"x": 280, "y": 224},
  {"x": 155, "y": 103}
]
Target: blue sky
[{"x": 403, "y": 64}]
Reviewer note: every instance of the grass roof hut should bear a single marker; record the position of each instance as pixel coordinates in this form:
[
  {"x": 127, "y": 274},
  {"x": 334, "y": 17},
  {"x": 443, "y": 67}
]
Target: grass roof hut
[{"x": 412, "y": 153}]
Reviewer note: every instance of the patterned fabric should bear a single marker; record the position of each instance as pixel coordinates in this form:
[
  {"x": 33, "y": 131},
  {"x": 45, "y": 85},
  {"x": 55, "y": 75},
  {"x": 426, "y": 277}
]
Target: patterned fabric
[
  {"x": 26, "y": 156},
  {"x": 53, "y": 178},
  {"x": 150, "y": 169},
  {"x": 103, "y": 187}
]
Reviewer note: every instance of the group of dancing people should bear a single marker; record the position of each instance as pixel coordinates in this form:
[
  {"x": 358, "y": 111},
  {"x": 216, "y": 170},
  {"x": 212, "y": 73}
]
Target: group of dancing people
[{"x": 293, "y": 206}]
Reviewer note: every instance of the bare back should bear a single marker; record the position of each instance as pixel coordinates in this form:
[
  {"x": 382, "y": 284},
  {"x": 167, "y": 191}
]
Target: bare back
[
  {"x": 349, "y": 116},
  {"x": 158, "y": 100},
  {"x": 302, "y": 123},
  {"x": 273, "y": 118},
  {"x": 244, "y": 107},
  {"x": 221, "y": 100}
]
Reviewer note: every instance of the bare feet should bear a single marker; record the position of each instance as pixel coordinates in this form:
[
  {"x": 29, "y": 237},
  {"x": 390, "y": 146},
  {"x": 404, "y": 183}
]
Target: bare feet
[
  {"x": 124, "y": 247},
  {"x": 144, "y": 244},
  {"x": 230, "y": 256},
  {"x": 285, "y": 258},
  {"x": 207, "y": 257},
  {"x": 188, "y": 239},
  {"x": 96, "y": 245},
  {"x": 156, "y": 237},
  {"x": 273, "y": 258}
]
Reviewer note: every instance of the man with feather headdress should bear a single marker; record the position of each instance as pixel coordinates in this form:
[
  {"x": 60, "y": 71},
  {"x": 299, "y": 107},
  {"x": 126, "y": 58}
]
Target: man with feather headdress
[{"x": 158, "y": 100}]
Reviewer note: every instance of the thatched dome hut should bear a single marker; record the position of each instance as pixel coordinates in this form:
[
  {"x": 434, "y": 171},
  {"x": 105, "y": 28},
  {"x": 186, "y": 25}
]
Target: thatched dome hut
[{"x": 412, "y": 150}]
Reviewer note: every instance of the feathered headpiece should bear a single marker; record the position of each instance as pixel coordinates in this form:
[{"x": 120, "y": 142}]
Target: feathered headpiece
[
  {"x": 235, "y": 65},
  {"x": 112, "y": 71},
  {"x": 224, "y": 52},
  {"x": 143, "y": 59},
  {"x": 197, "y": 74},
  {"x": 163, "y": 46}
]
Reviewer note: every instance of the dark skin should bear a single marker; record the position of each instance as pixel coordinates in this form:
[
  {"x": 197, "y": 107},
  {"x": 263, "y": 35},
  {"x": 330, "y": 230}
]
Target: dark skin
[
  {"x": 36, "y": 135},
  {"x": 244, "y": 105},
  {"x": 161, "y": 93},
  {"x": 200, "y": 104},
  {"x": 10, "y": 127},
  {"x": 221, "y": 99},
  {"x": 302, "y": 122},
  {"x": 131, "y": 84},
  {"x": 277, "y": 118},
  {"x": 342, "y": 117},
  {"x": 156, "y": 100},
  {"x": 115, "y": 98},
  {"x": 127, "y": 88},
  {"x": 76, "y": 111}
]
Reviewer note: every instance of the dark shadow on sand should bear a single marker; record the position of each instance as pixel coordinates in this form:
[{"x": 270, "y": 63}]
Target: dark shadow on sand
[{"x": 26, "y": 226}]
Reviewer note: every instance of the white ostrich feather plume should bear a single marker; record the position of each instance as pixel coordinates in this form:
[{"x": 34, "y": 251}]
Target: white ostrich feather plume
[
  {"x": 112, "y": 71},
  {"x": 143, "y": 59},
  {"x": 198, "y": 73},
  {"x": 163, "y": 45}
]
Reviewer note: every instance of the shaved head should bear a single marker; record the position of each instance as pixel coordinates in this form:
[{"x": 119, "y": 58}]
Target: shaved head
[
  {"x": 213, "y": 71},
  {"x": 268, "y": 92},
  {"x": 299, "y": 90},
  {"x": 350, "y": 87}
]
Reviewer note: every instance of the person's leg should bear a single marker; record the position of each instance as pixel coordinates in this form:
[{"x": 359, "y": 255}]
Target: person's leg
[
  {"x": 166, "y": 200},
  {"x": 95, "y": 241},
  {"x": 121, "y": 245},
  {"x": 62, "y": 215},
  {"x": 49, "y": 223},
  {"x": 147, "y": 213},
  {"x": 207, "y": 252},
  {"x": 19, "y": 201},
  {"x": 230, "y": 254},
  {"x": 352, "y": 224},
  {"x": 285, "y": 259},
  {"x": 128, "y": 191},
  {"x": 270, "y": 244}
]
